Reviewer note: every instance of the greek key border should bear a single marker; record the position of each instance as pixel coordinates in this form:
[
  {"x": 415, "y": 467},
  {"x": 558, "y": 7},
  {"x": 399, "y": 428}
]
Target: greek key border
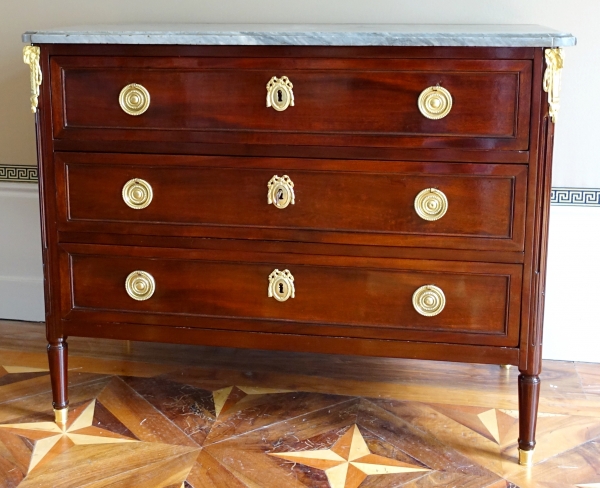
[
  {"x": 19, "y": 174},
  {"x": 575, "y": 197}
]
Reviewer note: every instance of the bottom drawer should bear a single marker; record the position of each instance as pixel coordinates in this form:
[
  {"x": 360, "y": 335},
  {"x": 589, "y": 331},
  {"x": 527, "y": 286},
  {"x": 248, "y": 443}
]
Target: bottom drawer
[{"x": 432, "y": 301}]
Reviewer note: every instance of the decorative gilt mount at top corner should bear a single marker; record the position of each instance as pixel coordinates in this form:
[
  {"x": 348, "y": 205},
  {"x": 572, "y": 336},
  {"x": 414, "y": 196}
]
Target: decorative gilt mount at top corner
[
  {"x": 552, "y": 77},
  {"x": 31, "y": 56}
]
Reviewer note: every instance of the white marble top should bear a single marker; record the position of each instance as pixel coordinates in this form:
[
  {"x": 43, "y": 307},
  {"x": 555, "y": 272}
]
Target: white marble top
[{"x": 309, "y": 35}]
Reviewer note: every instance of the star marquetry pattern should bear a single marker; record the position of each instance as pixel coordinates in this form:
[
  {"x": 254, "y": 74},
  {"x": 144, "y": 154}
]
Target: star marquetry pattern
[
  {"x": 495, "y": 424},
  {"x": 349, "y": 461},
  {"x": 225, "y": 398},
  {"x": 50, "y": 439}
]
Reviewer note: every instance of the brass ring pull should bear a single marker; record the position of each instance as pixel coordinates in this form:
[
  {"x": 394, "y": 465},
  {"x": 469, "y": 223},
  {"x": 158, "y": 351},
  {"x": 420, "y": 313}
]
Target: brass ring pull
[
  {"x": 140, "y": 285},
  {"x": 431, "y": 204},
  {"x": 435, "y": 102},
  {"x": 281, "y": 285},
  {"x": 279, "y": 93},
  {"x": 137, "y": 193},
  {"x": 429, "y": 300},
  {"x": 134, "y": 99},
  {"x": 281, "y": 191}
]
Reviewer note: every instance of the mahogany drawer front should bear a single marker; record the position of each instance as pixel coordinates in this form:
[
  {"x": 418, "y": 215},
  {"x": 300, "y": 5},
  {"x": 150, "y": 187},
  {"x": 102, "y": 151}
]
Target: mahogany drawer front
[
  {"x": 346, "y": 202},
  {"x": 338, "y": 102},
  {"x": 352, "y": 297}
]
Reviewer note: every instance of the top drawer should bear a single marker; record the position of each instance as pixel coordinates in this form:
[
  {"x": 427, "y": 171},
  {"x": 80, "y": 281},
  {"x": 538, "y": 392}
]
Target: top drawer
[{"x": 337, "y": 102}]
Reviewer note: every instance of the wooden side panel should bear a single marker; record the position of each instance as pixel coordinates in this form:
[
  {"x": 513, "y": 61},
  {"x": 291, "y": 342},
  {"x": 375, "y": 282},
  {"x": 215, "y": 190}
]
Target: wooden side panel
[{"x": 538, "y": 212}]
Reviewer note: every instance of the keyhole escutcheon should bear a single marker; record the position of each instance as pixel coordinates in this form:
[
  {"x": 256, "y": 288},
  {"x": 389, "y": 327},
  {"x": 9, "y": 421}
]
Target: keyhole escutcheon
[
  {"x": 280, "y": 191},
  {"x": 281, "y": 285},
  {"x": 280, "y": 93}
]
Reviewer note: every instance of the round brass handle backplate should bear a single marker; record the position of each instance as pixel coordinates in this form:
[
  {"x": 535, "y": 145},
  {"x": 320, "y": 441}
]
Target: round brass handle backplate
[
  {"x": 140, "y": 285},
  {"x": 435, "y": 102},
  {"x": 281, "y": 285},
  {"x": 431, "y": 204},
  {"x": 429, "y": 300},
  {"x": 137, "y": 193},
  {"x": 134, "y": 99}
]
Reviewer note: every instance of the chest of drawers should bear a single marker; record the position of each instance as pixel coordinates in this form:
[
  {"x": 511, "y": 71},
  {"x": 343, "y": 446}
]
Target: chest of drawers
[{"x": 387, "y": 200}]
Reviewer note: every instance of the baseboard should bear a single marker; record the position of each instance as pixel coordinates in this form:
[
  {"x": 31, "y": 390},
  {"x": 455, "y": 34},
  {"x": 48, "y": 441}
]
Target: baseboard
[{"x": 22, "y": 298}]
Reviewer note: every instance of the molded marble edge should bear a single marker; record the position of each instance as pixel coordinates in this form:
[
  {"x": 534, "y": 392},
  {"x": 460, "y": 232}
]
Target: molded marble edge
[{"x": 310, "y": 35}]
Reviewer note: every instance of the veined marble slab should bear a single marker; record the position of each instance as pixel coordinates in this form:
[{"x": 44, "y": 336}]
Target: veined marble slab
[{"x": 309, "y": 35}]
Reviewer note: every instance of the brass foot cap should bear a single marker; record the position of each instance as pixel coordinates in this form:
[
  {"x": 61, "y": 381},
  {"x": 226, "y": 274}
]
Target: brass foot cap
[
  {"x": 61, "y": 416},
  {"x": 525, "y": 458},
  {"x": 505, "y": 366}
]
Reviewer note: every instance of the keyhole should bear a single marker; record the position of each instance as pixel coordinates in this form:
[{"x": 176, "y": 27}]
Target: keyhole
[
  {"x": 280, "y": 194},
  {"x": 281, "y": 288},
  {"x": 279, "y": 96}
]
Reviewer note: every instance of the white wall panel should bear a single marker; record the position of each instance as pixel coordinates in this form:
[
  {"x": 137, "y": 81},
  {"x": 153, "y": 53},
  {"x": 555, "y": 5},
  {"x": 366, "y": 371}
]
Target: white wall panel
[
  {"x": 21, "y": 283},
  {"x": 572, "y": 321}
]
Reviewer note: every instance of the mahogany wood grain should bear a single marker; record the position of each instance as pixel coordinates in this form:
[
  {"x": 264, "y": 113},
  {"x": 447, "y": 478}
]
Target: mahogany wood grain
[
  {"x": 340, "y": 202},
  {"x": 296, "y": 342},
  {"x": 359, "y": 52},
  {"x": 291, "y": 247},
  {"x": 275, "y": 150},
  {"x": 538, "y": 210},
  {"x": 540, "y": 174},
  {"x": 59, "y": 368},
  {"x": 529, "y": 397},
  {"x": 355, "y": 116},
  {"x": 340, "y": 102},
  {"x": 343, "y": 296}
]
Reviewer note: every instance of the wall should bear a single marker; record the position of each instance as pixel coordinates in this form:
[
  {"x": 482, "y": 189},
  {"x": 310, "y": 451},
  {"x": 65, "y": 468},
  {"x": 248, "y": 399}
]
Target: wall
[{"x": 575, "y": 157}]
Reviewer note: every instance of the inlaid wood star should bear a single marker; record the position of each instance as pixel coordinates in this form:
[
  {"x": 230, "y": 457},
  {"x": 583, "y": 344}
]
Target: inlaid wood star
[
  {"x": 50, "y": 439},
  {"x": 497, "y": 425},
  {"x": 225, "y": 398},
  {"x": 349, "y": 461}
]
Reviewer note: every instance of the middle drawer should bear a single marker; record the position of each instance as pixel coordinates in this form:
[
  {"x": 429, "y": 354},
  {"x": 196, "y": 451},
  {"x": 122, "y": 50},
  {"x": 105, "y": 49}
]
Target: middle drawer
[{"x": 415, "y": 204}]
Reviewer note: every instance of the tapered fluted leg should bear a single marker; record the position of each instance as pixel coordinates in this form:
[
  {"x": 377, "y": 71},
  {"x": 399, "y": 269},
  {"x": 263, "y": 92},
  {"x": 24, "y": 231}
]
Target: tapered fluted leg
[
  {"x": 529, "y": 395},
  {"x": 58, "y": 360}
]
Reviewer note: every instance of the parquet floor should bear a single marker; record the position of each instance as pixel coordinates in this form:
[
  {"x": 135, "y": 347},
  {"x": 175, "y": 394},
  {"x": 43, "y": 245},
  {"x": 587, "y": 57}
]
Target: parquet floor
[{"x": 154, "y": 415}]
